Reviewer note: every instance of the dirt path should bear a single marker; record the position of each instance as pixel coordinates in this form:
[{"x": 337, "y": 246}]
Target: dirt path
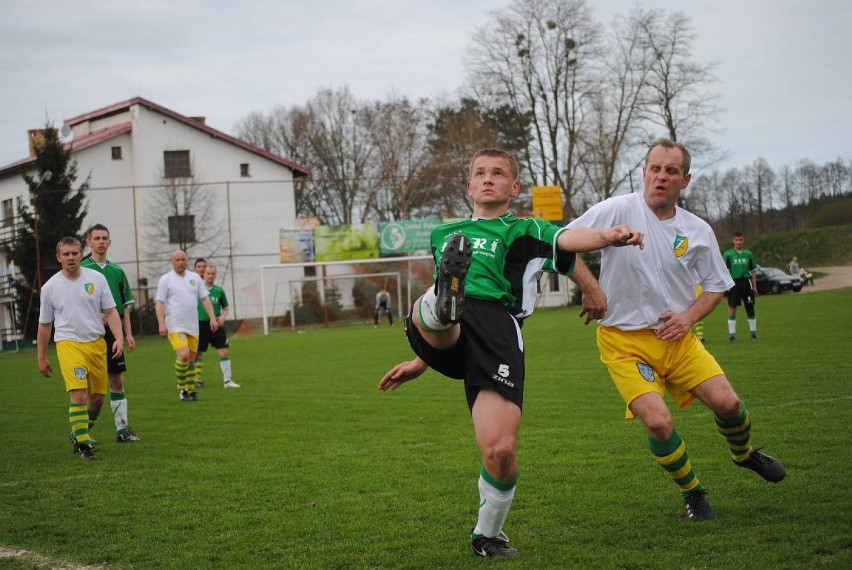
[{"x": 834, "y": 278}]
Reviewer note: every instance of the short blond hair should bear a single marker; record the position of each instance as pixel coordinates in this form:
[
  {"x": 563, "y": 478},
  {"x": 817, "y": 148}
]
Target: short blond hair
[{"x": 497, "y": 153}]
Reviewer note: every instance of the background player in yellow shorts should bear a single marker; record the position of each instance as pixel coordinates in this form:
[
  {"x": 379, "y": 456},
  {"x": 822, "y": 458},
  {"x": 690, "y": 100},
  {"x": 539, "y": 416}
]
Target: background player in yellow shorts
[{"x": 72, "y": 301}]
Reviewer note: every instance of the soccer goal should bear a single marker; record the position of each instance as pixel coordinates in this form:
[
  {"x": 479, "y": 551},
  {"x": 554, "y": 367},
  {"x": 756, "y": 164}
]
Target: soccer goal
[{"x": 295, "y": 295}]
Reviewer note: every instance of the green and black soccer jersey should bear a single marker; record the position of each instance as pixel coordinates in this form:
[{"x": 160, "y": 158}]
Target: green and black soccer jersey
[
  {"x": 740, "y": 263},
  {"x": 219, "y": 301},
  {"x": 119, "y": 286},
  {"x": 506, "y": 255}
]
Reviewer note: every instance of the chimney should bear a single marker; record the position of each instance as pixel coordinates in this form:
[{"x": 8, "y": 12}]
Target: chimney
[
  {"x": 35, "y": 138},
  {"x": 201, "y": 120}
]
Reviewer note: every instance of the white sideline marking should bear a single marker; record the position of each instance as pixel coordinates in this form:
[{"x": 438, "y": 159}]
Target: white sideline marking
[{"x": 40, "y": 560}]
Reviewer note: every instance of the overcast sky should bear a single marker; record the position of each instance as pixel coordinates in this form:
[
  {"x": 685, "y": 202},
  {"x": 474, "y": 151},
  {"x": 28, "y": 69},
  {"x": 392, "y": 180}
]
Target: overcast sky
[{"x": 783, "y": 65}]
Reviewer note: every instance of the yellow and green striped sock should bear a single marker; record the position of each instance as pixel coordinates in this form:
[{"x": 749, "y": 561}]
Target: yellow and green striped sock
[
  {"x": 78, "y": 417},
  {"x": 737, "y": 433},
  {"x": 199, "y": 368},
  {"x": 671, "y": 455},
  {"x": 180, "y": 374}
]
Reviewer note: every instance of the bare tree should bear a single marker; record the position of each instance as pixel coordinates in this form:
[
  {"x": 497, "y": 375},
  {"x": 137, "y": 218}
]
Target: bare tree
[
  {"x": 398, "y": 132},
  {"x": 760, "y": 179},
  {"x": 538, "y": 60},
  {"x": 615, "y": 122},
  {"x": 182, "y": 215},
  {"x": 679, "y": 99}
]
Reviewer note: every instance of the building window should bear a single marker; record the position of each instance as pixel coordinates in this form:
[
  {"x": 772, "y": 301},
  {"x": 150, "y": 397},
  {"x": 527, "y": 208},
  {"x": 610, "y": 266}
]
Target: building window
[
  {"x": 244, "y": 169},
  {"x": 181, "y": 229},
  {"x": 8, "y": 213},
  {"x": 176, "y": 164},
  {"x": 554, "y": 283},
  {"x": 116, "y": 153}
]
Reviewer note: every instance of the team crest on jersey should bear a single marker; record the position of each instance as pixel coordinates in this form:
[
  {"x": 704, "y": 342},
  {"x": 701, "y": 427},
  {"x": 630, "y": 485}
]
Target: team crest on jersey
[
  {"x": 192, "y": 282},
  {"x": 646, "y": 371},
  {"x": 89, "y": 287},
  {"x": 681, "y": 244},
  {"x": 80, "y": 373}
]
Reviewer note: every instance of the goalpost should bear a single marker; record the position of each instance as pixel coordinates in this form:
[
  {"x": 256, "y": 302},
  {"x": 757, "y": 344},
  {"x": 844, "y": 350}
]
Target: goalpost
[{"x": 327, "y": 292}]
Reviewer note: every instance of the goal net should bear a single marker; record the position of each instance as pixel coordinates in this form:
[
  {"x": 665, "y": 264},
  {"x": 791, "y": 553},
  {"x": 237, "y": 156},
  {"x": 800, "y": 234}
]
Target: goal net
[{"x": 296, "y": 295}]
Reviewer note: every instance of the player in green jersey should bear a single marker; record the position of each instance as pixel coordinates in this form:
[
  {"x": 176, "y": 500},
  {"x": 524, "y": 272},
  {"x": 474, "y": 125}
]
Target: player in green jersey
[
  {"x": 98, "y": 240},
  {"x": 742, "y": 265},
  {"x": 468, "y": 326},
  {"x": 218, "y": 339}
]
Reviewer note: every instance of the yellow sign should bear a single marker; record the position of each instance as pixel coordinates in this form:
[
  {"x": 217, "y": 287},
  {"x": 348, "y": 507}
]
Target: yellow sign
[{"x": 547, "y": 202}]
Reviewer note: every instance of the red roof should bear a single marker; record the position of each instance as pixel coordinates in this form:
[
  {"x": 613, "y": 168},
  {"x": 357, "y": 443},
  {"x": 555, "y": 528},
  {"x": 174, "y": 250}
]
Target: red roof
[{"x": 79, "y": 143}]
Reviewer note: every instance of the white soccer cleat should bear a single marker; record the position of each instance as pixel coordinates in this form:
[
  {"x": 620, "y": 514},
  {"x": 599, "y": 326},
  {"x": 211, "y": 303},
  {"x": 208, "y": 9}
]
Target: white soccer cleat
[{"x": 231, "y": 384}]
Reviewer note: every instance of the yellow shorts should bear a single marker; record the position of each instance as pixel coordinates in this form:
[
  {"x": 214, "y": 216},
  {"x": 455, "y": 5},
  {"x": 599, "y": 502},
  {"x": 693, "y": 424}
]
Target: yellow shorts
[
  {"x": 83, "y": 365},
  {"x": 640, "y": 363},
  {"x": 180, "y": 339}
]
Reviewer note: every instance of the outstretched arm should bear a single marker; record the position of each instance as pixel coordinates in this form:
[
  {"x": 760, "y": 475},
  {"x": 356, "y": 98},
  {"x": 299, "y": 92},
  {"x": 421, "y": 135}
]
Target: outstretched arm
[
  {"x": 589, "y": 239},
  {"x": 402, "y": 372}
]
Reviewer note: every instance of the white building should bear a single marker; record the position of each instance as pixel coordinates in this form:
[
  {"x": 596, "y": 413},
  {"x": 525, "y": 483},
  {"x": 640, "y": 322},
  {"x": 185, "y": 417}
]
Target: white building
[{"x": 133, "y": 152}]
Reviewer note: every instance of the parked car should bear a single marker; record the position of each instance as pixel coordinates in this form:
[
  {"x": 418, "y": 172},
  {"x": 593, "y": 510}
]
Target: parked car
[{"x": 773, "y": 280}]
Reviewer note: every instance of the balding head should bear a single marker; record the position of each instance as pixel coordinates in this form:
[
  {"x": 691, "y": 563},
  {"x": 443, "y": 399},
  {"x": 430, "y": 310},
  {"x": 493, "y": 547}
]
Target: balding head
[{"x": 179, "y": 261}]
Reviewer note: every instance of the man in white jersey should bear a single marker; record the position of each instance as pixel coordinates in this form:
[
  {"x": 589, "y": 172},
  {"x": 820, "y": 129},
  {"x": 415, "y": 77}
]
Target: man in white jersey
[
  {"x": 178, "y": 294},
  {"x": 72, "y": 301},
  {"x": 646, "y": 315}
]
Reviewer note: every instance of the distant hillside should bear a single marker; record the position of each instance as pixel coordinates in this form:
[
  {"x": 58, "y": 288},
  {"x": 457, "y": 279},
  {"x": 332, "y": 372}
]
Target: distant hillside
[{"x": 831, "y": 245}]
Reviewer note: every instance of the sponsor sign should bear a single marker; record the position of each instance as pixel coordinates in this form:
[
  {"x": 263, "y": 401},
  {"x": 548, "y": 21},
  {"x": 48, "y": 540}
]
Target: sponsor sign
[{"x": 405, "y": 236}]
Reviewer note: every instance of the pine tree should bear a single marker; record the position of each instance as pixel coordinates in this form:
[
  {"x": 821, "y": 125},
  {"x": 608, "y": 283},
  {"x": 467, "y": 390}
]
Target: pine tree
[{"x": 53, "y": 211}]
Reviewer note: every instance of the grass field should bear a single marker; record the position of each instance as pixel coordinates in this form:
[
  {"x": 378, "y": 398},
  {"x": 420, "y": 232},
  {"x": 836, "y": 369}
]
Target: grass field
[{"x": 309, "y": 466}]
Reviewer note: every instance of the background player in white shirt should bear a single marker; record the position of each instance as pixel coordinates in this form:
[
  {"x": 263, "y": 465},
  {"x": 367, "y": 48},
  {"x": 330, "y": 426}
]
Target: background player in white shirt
[
  {"x": 178, "y": 294},
  {"x": 72, "y": 301}
]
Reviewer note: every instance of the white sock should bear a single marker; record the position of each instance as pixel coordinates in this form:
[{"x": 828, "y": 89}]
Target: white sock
[
  {"x": 428, "y": 318},
  {"x": 752, "y": 325},
  {"x": 494, "y": 505},
  {"x": 732, "y": 326},
  {"x": 225, "y": 365},
  {"x": 119, "y": 412}
]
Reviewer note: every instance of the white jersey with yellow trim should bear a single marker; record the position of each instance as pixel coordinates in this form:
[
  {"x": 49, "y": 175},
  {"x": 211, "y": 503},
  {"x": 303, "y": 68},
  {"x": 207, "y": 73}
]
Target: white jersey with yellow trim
[
  {"x": 74, "y": 306},
  {"x": 642, "y": 284}
]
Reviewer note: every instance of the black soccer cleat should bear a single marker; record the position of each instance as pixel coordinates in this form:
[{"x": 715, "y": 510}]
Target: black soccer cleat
[
  {"x": 764, "y": 465},
  {"x": 87, "y": 453},
  {"x": 199, "y": 384},
  {"x": 126, "y": 436},
  {"x": 184, "y": 396},
  {"x": 75, "y": 447},
  {"x": 455, "y": 261},
  {"x": 698, "y": 507},
  {"x": 493, "y": 547}
]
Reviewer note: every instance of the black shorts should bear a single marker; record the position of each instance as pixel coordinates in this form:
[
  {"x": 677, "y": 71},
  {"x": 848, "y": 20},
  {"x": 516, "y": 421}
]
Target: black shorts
[
  {"x": 740, "y": 292},
  {"x": 217, "y": 339},
  {"x": 114, "y": 365},
  {"x": 489, "y": 353}
]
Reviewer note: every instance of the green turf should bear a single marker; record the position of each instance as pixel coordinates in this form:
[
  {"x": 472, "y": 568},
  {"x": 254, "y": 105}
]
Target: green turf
[{"x": 309, "y": 466}]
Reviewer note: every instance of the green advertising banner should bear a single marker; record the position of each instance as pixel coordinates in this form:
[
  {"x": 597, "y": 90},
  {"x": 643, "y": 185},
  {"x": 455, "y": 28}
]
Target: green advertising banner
[
  {"x": 405, "y": 236},
  {"x": 345, "y": 242}
]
